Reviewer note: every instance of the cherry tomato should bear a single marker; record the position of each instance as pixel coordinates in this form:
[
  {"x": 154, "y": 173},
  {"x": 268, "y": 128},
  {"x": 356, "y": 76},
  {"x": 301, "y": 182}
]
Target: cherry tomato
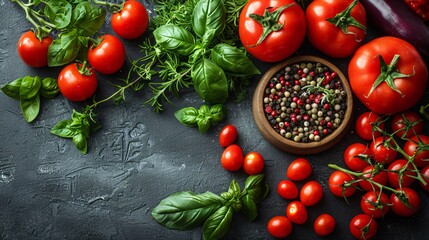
[
  {"x": 228, "y": 135},
  {"x": 131, "y": 21},
  {"x": 77, "y": 84},
  {"x": 277, "y": 45},
  {"x": 330, "y": 38},
  {"x": 364, "y": 125},
  {"x": 375, "y": 204},
  {"x": 287, "y": 189},
  {"x": 393, "y": 176},
  {"x": 407, "y": 124},
  {"x": 311, "y": 193},
  {"x": 253, "y": 163},
  {"x": 401, "y": 209},
  {"x": 337, "y": 181},
  {"x": 425, "y": 174},
  {"x": 279, "y": 227},
  {"x": 297, "y": 212},
  {"x": 398, "y": 56},
  {"x": 418, "y": 146},
  {"x": 382, "y": 151},
  {"x": 363, "y": 226},
  {"x": 108, "y": 56},
  {"x": 376, "y": 174},
  {"x": 232, "y": 158},
  {"x": 324, "y": 224},
  {"x": 299, "y": 169},
  {"x": 356, "y": 156},
  {"x": 32, "y": 51}
]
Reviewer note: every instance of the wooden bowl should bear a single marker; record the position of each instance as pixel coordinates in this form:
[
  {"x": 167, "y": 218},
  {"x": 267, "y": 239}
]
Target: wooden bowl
[{"x": 283, "y": 143}]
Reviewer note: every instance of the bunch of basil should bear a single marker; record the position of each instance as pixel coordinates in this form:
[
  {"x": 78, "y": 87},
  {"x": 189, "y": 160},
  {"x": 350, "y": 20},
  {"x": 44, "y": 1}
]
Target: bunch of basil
[
  {"x": 209, "y": 64},
  {"x": 186, "y": 210}
]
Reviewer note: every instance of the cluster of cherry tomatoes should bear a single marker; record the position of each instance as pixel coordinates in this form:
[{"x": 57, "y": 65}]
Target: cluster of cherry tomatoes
[
  {"x": 296, "y": 212},
  {"x": 395, "y": 157},
  {"x": 233, "y": 159}
]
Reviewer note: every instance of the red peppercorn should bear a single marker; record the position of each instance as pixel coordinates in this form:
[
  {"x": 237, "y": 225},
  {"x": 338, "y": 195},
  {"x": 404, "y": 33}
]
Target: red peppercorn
[
  {"x": 325, "y": 131},
  {"x": 334, "y": 75},
  {"x": 326, "y": 106},
  {"x": 295, "y": 99},
  {"x": 329, "y": 124},
  {"x": 297, "y": 82},
  {"x": 268, "y": 109},
  {"x": 274, "y": 113},
  {"x": 300, "y": 102}
]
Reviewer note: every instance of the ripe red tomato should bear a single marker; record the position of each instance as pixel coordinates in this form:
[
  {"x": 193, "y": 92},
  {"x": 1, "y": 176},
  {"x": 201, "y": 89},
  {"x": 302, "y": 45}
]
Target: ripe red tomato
[
  {"x": 402, "y": 209},
  {"x": 425, "y": 174},
  {"x": 108, "y": 56},
  {"x": 407, "y": 124},
  {"x": 253, "y": 163},
  {"x": 297, "y": 212},
  {"x": 324, "y": 224},
  {"x": 381, "y": 150},
  {"x": 287, "y": 189},
  {"x": 228, "y": 135},
  {"x": 311, "y": 193},
  {"x": 232, "y": 158},
  {"x": 131, "y": 21},
  {"x": 364, "y": 69},
  {"x": 277, "y": 45},
  {"x": 375, "y": 204},
  {"x": 363, "y": 226},
  {"x": 299, "y": 169},
  {"x": 337, "y": 181},
  {"x": 32, "y": 51},
  {"x": 378, "y": 176},
  {"x": 356, "y": 157},
  {"x": 335, "y": 40},
  {"x": 393, "y": 177},
  {"x": 364, "y": 125},
  {"x": 77, "y": 82},
  {"x": 418, "y": 146},
  {"x": 279, "y": 227}
]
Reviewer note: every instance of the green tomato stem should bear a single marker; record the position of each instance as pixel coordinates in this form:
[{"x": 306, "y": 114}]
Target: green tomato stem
[
  {"x": 42, "y": 29},
  {"x": 113, "y": 7}
]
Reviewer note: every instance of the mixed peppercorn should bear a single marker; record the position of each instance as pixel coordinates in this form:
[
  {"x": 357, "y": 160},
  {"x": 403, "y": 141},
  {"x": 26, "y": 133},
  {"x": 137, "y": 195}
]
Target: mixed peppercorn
[{"x": 305, "y": 102}]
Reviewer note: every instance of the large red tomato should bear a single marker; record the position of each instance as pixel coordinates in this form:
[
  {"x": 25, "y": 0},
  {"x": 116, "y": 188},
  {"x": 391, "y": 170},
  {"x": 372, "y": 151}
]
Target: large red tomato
[
  {"x": 108, "y": 55},
  {"x": 336, "y": 27},
  {"x": 388, "y": 75},
  {"x": 284, "y": 16},
  {"x": 34, "y": 52},
  {"x": 131, "y": 21}
]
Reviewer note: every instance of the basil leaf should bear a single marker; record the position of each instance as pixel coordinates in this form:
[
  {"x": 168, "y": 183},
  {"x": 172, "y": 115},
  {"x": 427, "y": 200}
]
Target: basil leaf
[
  {"x": 88, "y": 18},
  {"x": 218, "y": 224},
  {"x": 187, "y": 116},
  {"x": 209, "y": 81},
  {"x": 49, "y": 88},
  {"x": 208, "y": 37},
  {"x": 218, "y": 112},
  {"x": 175, "y": 39},
  {"x": 64, "y": 49},
  {"x": 62, "y": 129},
  {"x": 203, "y": 109},
  {"x": 203, "y": 124},
  {"x": 81, "y": 143},
  {"x": 29, "y": 87},
  {"x": 233, "y": 61},
  {"x": 186, "y": 210},
  {"x": 12, "y": 89},
  {"x": 59, "y": 12},
  {"x": 248, "y": 207},
  {"x": 208, "y": 14},
  {"x": 256, "y": 187},
  {"x": 234, "y": 188},
  {"x": 30, "y": 107}
]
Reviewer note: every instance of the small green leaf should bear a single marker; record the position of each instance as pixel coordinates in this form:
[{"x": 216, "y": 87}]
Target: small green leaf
[
  {"x": 249, "y": 208},
  {"x": 218, "y": 112},
  {"x": 81, "y": 143},
  {"x": 218, "y": 224},
  {"x": 203, "y": 125},
  {"x": 257, "y": 187},
  {"x": 187, "y": 116},
  {"x": 30, "y": 107},
  {"x": 49, "y": 88},
  {"x": 62, "y": 129},
  {"x": 64, "y": 49},
  {"x": 12, "y": 89},
  {"x": 29, "y": 87},
  {"x": 233, "y": 61},
  {"x": 88, "y": 18},
  {"x": 208, "y": 15},
  {"x": 59, "y": 12},
  {"x": 175, "y": 39}
]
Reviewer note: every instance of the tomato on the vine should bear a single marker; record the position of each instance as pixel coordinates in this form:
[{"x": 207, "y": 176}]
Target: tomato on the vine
[
  {"x": 388, "y": 75},
  {"x": 253, "y": 163},
  {"x": 324, "y": 224},
  {"x": 341, "y": 185},
  {"x": 407, "y": 124},
  {"x": 382, "y": 151},
  {"x": 299, "y": 169},
  {"x": 375, "y": 204},
  {"x": 376, "y": 174},
  {"x": 107, "y": 55},
  {"x": 32, "y": 51},
  {"x": 232, "y": 158},
  {"x": 297, "y": 212},
  {"x": 279, "y": 227},
  {"x": 131, "y": 21},
  {"x": 364, "y": 125},
  {"x": 401, "y": 208},
  {"x": 407, "y": 178},
  {"x": 336, "y": 28},
  {"x": 287, "y": 189},
  {"x": 77, "y": 82},
  {"x": 228, "y": 135},
  {"x": 418, "y": 146},
  {"x": 311, "y": 193},
  {"x": 272, "y": 30},
  {"x": 363, "y": 226},
  {"x": 356, "y": 156}
]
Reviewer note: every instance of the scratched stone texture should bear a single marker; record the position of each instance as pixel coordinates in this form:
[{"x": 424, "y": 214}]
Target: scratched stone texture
[{"x": 48, "y": 190}]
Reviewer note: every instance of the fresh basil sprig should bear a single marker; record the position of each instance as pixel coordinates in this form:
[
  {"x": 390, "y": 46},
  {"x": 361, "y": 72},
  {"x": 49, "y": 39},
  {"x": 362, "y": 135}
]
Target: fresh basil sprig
[
  {"x": 28, "y": 91},
  {"x": 186, "y": 210},
  {"x": 204, "y": 117}
]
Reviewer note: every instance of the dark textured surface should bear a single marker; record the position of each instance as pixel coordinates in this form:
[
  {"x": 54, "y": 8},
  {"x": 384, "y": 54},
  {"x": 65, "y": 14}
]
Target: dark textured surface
[{"x": 48, "y": 190}]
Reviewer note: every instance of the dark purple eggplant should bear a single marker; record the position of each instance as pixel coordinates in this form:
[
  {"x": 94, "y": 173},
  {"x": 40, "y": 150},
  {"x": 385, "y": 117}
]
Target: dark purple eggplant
[{"x": 395, "y": 18}]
